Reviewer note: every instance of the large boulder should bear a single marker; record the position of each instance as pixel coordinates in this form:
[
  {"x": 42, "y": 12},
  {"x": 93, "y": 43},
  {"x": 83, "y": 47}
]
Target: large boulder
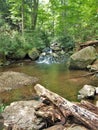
[
  {"x": 86, "y": 92},
  {"x": 83, "y": 58},
  {"x": 33, "y": 54},
  {"x": 11, "y": 80},
  {"x": 21, "y": 115}
]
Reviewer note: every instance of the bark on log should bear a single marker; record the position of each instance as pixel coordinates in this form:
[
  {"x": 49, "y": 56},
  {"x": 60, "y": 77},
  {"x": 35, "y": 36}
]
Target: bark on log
[
  {"x": 89, "y": 106},
  {"x": 85, "y": 116},
  {"x": 89, "y": 43}
]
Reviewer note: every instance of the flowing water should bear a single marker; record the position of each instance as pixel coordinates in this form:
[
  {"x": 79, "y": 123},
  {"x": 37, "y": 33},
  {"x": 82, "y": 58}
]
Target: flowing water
[{"x": 56, "y": 77}]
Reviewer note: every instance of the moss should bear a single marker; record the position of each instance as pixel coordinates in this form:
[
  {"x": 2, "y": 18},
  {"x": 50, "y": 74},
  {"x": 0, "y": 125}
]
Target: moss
[{"x": 33, "y": 54}]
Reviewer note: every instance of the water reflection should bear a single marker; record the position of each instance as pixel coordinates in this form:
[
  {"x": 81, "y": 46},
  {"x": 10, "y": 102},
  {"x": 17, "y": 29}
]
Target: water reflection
[{"x": 55, "y": 77}]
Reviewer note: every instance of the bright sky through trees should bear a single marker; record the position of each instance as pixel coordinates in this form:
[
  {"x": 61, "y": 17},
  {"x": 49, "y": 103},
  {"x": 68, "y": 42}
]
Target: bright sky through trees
[{"x": 44, "y": 1}]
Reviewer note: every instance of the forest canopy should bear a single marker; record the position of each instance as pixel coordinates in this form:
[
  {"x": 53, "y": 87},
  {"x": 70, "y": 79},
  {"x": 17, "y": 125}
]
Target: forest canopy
[{"x": 34, "y": 23}]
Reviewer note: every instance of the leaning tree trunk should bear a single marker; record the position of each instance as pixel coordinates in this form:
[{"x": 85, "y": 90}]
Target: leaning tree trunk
[{"x": 85, "y": 116}]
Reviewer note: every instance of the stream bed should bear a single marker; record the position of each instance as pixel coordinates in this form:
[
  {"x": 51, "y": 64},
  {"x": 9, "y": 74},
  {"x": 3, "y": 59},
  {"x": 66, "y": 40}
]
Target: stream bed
[{"x": 55, "y": 77}]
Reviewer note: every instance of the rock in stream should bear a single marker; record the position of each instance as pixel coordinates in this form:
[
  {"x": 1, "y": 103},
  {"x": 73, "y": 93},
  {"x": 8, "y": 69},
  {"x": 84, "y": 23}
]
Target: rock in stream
[
  {"x": 21, "y": 115},
  {"x": 10, "y": 80}
]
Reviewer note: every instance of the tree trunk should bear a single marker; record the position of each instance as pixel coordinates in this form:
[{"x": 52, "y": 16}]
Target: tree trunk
[
  {"x": 22, "y": 15},
  {"x": 85, "y": 116},
  {"x": 34, "y": 14}
]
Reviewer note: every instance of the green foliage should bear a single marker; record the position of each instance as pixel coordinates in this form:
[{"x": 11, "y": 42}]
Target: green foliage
[
  {"x": 2, "y": 21},
  {"x": 15, "y": 45},
  {"x": 66, "y": 42},
  {"x": 38, "y": 39},
  {"x": 10, "y": 41},
  {"x": 77, "y": 19},
  {"x": 2, "y": 106}
]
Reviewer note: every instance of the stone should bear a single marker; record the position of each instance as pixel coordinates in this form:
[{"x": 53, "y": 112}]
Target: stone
[
  {"x": 55, "y": 127},
  {"x": 56, "y": 46},
  {"x": 11, "y": 80},
  {"x": 21, "y": 115},
  {"x": 83, "y": 58},
  {"x": 80, "y": 96},
  {"x": 33, "y": 54},
  {"x": 87, "y": 91}
]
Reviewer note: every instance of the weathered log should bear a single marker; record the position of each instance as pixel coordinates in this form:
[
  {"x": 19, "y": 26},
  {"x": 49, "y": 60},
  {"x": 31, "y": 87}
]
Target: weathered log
[
  {"x": 89, "y": 106},
  {"x": 89, "y": 43},
  {"x": 85, "y": 116}
]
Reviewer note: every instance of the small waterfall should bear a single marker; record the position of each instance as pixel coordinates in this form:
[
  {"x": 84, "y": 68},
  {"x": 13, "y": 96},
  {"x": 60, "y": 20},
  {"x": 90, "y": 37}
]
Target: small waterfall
[
  {"x": 49, "y": 56},
  {"x": 46, "y": 56}
]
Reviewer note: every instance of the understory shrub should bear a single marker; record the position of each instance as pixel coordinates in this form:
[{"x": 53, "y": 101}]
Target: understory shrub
[
  {"x": 14, "y": 44},
  {"x": 66, "y": 42}
]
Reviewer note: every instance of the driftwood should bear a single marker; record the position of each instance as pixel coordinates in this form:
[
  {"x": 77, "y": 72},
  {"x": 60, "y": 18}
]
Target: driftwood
[
  {"x": 89, "y": 43},
  {"x": 85, "y": 116},
  {"x": 89, "y": 106},
  {"x": 50, "y": 113}
]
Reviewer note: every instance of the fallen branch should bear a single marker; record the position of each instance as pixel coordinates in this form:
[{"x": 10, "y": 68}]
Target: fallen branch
[
  {"x": 89, "y": 43},
  {"x": 85, "y": 116}
]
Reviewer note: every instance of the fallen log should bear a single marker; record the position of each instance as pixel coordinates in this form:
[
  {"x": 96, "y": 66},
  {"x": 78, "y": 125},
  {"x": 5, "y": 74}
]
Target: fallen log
[
  {"x": 89, "y": 43},
  {"x": 85, "y": 116},
  {"x": 89, "y": 106}
]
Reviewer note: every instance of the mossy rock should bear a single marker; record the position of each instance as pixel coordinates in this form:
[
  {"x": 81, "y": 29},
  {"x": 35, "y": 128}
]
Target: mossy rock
[
  {"x": 33, "y": 54},
  {"x": 83, "y": 58}
]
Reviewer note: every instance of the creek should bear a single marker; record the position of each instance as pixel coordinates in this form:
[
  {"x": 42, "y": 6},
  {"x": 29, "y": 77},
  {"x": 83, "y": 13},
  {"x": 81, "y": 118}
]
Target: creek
[{"x": 56, "y": 77}]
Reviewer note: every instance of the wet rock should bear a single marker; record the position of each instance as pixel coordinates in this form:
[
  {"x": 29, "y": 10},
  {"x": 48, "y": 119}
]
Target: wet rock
[
  {"x": 80, "y": 96},
  {"x": 53, "y": 54},
  {"x": 11, "y": 80},
  {"x": 83, "y": 58},
  {"x": 86, "y": 92},
  {"x": 50, "y": 56},
  {"x": 76, "y": 127},
  {"x": 55, "y": 127},
  {"x": 56, "y": 46},
  {"x": 21, "y": 115},
  {"x": 33, "y": 54}
]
